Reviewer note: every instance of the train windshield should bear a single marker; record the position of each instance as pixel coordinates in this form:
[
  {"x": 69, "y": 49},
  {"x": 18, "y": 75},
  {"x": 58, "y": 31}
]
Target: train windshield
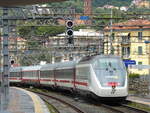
[{"x": 110, "y": 71}]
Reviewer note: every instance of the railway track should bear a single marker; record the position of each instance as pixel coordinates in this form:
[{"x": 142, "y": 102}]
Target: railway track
[
  {"x": 59, "y": 105},
  {"x": 125, "y": 109},
  {"x": 65, "y": 104}
]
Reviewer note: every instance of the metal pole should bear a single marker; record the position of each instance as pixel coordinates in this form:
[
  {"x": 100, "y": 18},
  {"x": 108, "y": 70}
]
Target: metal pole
[
  {"x": 5, "y": 81},
  {"x": 111, "y": 30}
]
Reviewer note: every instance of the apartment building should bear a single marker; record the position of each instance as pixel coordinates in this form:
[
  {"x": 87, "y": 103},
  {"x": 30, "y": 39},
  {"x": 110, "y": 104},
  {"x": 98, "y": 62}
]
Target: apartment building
[{"x": 130, "y": 40}]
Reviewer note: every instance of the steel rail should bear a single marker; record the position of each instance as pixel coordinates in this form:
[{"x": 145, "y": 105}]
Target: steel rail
[
  {"x": 56, "y": 110},
  {"x": 78, "y": 110},
  {"x": 111, "y": 108},
  {"x": 133, "y": 108},
  {"x": 118, "y": 110}
]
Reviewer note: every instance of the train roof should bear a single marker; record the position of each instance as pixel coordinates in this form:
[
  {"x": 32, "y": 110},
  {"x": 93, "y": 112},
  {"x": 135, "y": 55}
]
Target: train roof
[
  {"x": 48, "y": 67},
  {"x": 62, "y": 65},
  {"x": 90, "y": 59},
  {"x": 68, "y": 64},
  {"x": 30, "y": 68}
]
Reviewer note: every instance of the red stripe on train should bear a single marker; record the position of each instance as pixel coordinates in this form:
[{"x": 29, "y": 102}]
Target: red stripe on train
[
  {"x": 81, "y": 83},
  {"x": 30, "y": 80},
  {"x": 15, "y": 78},
  {"x": 64, "y": 81},
  {"x": 46, "y": 80}
]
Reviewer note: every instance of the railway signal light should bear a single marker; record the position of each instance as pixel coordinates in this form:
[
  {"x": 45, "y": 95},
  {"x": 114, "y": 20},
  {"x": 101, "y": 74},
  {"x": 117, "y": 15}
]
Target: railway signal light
[
  {"x": 12, "y": 62},
  {"x": 69, "y": 32},
  {"x": 69, "y": 24}
]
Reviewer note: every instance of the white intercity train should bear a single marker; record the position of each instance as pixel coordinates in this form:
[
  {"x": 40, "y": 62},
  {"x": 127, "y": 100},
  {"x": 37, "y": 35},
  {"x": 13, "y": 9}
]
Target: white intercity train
[{"x": 102, "y": 76}]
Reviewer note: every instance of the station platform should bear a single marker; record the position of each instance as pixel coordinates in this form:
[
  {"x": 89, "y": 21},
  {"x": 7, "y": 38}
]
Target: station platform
[
  {"x": 22, "y": 101},
  {"x": 140, "y": 100}
]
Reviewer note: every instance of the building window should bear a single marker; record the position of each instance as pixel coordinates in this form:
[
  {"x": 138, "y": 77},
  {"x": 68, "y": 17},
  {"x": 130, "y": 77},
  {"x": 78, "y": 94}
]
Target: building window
[
  {"x": 113, "y": 36},
  {"x": 129, "y": 36},
  {"x": 126, "y": 51},
  {"x": 139, "y": 63},
  {"x": 140, "y": 52},
  {"x": 140, "y": 35}
]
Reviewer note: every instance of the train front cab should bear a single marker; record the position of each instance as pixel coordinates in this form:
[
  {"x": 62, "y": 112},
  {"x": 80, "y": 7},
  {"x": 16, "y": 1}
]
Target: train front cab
[{"x": 109, "y": 78}]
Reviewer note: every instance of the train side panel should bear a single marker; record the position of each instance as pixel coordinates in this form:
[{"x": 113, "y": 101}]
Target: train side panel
[
  {"x": 15, "y": 75},
  {"x": 31, "y": 74},
  {"x": 64, "y": 77},
  {"x": 83, "y": 74},
  {"x": 47, "y": 77}
]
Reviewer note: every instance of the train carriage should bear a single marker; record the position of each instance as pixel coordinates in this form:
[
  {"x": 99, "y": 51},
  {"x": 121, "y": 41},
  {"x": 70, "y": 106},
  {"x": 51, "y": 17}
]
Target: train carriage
[
  {"x": 31, "y": 74},
  {"x": 15, "y": 74},
  {"x": 47, "y": 74},
  {"x": 64, "y": 74},
  {"x": 104, "y": 76}
]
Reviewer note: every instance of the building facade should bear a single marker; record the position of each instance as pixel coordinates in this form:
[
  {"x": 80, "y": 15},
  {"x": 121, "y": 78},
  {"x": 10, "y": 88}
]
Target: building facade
[
  {"x": 16, "y": 46},
  {"x": 130, "y": 40},
  {"x": 86, "y": 42}
]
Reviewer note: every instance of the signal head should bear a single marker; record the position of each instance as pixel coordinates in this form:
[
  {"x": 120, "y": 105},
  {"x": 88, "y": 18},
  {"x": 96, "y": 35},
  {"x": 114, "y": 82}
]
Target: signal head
[
  {"x": 69, "y": 24},
  {"x": 69, "y": 32},
  {"x": 12, "y": 62}
]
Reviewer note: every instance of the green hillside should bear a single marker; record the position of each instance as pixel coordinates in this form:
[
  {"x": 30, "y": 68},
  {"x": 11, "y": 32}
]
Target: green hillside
[
  {"x": 78, "y": 4},
  {"x": 97, "y": 3}
]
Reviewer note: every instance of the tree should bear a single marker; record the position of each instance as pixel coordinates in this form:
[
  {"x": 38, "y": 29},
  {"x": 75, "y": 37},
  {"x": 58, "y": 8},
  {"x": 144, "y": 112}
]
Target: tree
[{"x": 34, "y": 58}]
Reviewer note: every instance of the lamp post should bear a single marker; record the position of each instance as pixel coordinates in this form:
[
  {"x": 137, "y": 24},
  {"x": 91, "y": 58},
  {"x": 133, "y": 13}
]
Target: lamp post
[
  {"x": 148, "y": 47},
  {"x": 5, "y": 75}
]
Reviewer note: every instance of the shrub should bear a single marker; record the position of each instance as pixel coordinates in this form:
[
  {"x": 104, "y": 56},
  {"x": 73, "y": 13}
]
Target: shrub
[{"x": 134, "y": 75}]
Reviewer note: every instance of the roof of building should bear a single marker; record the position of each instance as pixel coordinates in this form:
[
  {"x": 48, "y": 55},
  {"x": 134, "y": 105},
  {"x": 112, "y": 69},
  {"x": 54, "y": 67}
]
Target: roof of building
[
  {"x": 130, "y": 24},
  {"x": 14, "y": 38}
]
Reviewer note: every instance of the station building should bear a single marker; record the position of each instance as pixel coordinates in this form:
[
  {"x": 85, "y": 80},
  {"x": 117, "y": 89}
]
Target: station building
[
  {"x": 86, "y": 42},
  {"x": 130, "y": 40}
]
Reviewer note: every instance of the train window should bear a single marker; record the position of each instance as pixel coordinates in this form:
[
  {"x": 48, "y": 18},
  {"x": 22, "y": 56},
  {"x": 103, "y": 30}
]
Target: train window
[
  {"x": 107, "y": 63},
  {"x": 47, "y": 73},
  {"x": 83, "y": 73},
  {"x": 34, "y": 73},
  {"x": 108, "y": 70},
  {"x": 64, "y": 73},
  {"x": 14, "y": 74}
]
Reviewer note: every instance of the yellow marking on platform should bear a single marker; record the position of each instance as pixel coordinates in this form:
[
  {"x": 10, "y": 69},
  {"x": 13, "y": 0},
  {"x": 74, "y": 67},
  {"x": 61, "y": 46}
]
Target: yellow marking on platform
[{"x": 36, "y": 102}]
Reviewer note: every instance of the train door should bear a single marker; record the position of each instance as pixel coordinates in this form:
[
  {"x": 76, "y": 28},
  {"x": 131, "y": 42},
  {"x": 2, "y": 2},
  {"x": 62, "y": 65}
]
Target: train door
[
  {"x": 55, "y": 84},
  {"x": 38, "y": 75},
  {"x": 74, "y": 78}
]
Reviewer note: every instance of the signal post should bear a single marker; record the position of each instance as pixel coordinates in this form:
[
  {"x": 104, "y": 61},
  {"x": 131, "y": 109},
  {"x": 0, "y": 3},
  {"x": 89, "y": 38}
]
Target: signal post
[{"x": 69, "y": 32}]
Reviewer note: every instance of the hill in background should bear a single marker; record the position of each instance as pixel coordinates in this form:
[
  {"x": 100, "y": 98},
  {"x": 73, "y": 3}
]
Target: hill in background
[
  {"x": 99, "y": 3},
  {"x": 78, "y": 4}
]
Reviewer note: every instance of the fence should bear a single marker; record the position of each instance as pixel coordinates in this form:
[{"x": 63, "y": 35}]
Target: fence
[{"x": 140, "y": 85}]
